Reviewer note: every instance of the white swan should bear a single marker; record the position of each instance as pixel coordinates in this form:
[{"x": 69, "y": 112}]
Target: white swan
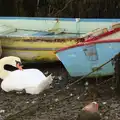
[{"x": 32, "y": 81}]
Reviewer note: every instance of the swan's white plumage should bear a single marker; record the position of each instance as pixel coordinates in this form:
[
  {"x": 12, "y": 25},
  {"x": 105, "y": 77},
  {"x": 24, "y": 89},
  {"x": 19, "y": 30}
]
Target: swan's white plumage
[{"x": 33, "y": 81}]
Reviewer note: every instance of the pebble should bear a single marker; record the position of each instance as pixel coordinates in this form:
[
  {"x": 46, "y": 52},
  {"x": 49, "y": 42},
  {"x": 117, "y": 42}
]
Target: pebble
[
  {"x": 57, "y": 83},
  {"x": 19, "y": 92},
  {"x": 56, "y": 100},
  {"x": 33, "y": 102},
  {"x": 51, "y": 87},
  {"x": 78, "y": 98},
  {"x": 2, "y": 111},
  {"x": 104, "y": 103},
  {"x": 27, "y": 102},
  {"x": 44, "y": 95},
  {"x": 106, "y": 117},
  {"x": 50, "y": 108},
  {"x": 53, "y": 77},
  {"x": 85, "y": 94},
  {"x": 112, "y": 88},
  {"x": 60, "y": 77},
  {"x": 67, "y": 87},
  {"x": 86, "y": 83},
  {"x": 46, "y": 73}
]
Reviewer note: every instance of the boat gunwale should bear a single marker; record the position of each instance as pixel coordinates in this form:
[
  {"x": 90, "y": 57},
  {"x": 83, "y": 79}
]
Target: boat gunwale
[
  {"x": 93, "y": 40},
  {"x": 62, "y": 19},
  {"x": 103, "y": 35}
]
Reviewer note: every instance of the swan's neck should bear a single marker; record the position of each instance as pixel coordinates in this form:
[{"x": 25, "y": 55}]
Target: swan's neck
[{"x": 3, "y": 73}]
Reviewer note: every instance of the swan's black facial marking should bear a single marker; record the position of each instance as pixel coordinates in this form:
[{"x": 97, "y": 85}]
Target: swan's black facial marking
[{"x": 10, "y": 67}]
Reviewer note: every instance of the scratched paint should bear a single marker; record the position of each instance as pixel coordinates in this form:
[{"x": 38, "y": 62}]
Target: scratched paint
[
  {"x": 91, "y": 52},
  {"x": 31, "y": 56}
]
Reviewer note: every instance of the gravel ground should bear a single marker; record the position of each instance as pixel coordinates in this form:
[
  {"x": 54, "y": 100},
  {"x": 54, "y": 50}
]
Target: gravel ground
[{"x": 63, "y": 105}]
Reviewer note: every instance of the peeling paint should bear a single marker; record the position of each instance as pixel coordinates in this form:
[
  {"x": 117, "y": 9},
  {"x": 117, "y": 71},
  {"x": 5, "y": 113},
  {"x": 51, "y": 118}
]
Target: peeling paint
[{"x": 34, "y": 49}]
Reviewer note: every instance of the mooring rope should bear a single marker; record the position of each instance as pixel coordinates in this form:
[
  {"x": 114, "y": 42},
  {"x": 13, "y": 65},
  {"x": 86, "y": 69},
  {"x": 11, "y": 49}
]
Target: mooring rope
[{"x": 10, "y": 117}]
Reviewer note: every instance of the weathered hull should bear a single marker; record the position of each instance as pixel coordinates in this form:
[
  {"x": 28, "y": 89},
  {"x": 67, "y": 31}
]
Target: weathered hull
[
  {"x": 31, "y": 38},
  {"x": 77, "y": 63},
  {"x": 34, "y": 49},
  {"x": 84, "y": 58}
]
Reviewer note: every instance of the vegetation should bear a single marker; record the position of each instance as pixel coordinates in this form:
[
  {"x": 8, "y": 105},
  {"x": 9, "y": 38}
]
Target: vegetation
[{"x": 61, "y": 8}]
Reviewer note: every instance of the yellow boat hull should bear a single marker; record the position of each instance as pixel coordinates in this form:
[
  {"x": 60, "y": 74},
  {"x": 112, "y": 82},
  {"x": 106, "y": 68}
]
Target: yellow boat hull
[{"x": 34, "y": 49}]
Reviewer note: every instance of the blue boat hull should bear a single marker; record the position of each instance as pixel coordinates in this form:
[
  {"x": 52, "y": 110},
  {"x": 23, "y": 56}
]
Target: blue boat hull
[{"x": 82, "y": 60}]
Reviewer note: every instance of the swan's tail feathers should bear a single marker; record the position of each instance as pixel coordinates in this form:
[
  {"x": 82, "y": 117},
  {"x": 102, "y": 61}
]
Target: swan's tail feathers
[
  {"x": 47, "y": 82},
  {"x": 49, "y": 79}
]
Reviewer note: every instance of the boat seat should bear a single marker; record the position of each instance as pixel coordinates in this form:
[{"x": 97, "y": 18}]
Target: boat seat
[
  {"x": 99, "y": 31},
  {"x": 116, "y": 25},
  {"x": 4, "y": 29},
  {"x": 42, "y": 34}
]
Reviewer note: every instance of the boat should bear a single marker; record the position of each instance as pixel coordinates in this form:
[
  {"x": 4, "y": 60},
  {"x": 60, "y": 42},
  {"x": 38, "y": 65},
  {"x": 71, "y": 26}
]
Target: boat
[
  {"x": 36, "y": 39},
  {"x": 83, "y": 58}
]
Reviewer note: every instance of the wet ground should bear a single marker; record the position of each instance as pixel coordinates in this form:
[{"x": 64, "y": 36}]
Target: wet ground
[{"x": 60, "y": 102}]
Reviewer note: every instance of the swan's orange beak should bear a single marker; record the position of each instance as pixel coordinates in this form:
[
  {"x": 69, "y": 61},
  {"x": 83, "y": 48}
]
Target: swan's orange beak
[{"x": 19, "y": 66}]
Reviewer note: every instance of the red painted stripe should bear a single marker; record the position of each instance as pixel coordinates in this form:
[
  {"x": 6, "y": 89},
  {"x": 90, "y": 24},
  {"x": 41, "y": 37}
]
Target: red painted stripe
[
  {"x": 94, "y": 40},
  {"x": 88, "y": 43},
  {"x": 103, "y": 35}
]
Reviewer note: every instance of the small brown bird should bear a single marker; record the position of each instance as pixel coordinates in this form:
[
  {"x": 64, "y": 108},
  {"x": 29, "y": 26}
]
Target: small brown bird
[{"x": 89, "y": 112}]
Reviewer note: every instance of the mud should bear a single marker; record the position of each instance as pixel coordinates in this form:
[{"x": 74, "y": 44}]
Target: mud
[{"x": 63, "y": 105}]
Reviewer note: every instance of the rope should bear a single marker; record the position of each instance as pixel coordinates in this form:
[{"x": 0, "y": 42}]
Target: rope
[
  {"x": 91, "y": 72},
  {"x": 10, "y": 117}
]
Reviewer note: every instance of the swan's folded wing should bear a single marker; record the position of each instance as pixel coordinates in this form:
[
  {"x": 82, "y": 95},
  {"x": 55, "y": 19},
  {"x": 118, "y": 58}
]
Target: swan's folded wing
[{"x": 44, "y": 84}]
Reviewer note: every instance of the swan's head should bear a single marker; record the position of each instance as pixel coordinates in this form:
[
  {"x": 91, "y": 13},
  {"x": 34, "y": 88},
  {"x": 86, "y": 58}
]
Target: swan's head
[{"x": 12, "y": 60}]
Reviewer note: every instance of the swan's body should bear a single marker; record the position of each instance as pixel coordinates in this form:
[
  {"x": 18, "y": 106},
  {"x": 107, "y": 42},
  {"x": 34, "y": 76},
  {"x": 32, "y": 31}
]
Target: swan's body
[{"x": 33, "y": 81}]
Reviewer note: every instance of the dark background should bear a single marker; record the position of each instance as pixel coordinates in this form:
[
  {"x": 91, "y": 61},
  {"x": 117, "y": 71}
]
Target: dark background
[{"x": 61, "y": 8}]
